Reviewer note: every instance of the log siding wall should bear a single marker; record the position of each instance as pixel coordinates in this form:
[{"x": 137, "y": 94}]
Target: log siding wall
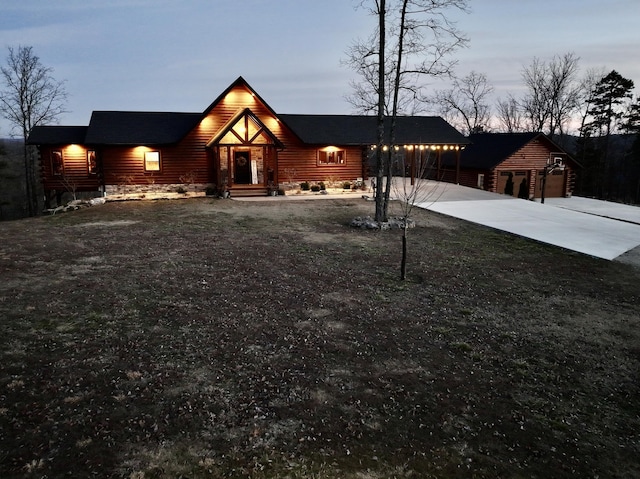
[
  {"x": 533, "y": 158},
  {"x": 530, "y": 160},
  {"x": 191, "y": 158},
  {"x": 192, "y": 162},
  {"x": 75, "y": 169}
]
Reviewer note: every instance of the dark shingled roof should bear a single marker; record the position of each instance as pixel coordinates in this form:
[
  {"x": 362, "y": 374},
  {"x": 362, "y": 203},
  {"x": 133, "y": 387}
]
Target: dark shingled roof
[
  {"x": 57, "y": 135},
  {"x": 487, "y": 150},
  {"x": 362, "y": 130},
  {"x": 162, "y": 128},
  {"x": 128, "y": 128},
  {"x": 139, "y": 128}
]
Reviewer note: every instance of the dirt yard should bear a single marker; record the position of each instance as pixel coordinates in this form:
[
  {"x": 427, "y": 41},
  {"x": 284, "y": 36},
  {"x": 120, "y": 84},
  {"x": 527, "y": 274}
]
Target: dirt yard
[{"x": 216, "y": 338}]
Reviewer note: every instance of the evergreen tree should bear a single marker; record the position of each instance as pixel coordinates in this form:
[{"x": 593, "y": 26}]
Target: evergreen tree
[
  {"x": 632, "y": 126},
  {"x": 608, "y": 102}
]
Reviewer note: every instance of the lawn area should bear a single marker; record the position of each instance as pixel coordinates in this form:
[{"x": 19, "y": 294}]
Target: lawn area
[{"x": 217, "y": 338}]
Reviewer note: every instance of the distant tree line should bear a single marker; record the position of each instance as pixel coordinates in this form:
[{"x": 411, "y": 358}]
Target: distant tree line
[{"x": 594, "y": 116}]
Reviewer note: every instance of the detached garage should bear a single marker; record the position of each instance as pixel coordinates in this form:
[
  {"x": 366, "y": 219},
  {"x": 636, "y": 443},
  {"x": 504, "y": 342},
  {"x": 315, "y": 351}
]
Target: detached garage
[{"x": 524, "y": 165}]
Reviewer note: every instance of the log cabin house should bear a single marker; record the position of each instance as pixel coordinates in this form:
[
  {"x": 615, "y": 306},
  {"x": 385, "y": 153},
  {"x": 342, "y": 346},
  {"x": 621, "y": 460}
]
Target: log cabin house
[
  {"x": 238, "y": 144},
  {"x": 515, "y": 164}
]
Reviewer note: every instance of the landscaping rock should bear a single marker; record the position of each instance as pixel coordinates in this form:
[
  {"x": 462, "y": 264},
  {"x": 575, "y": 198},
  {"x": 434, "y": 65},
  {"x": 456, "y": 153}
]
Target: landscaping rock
[{"x": 367, "y": 222}]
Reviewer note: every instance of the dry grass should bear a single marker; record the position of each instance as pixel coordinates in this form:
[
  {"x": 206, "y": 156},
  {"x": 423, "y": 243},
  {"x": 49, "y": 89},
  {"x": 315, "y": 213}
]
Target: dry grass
[{"x": 214, "y": 338}]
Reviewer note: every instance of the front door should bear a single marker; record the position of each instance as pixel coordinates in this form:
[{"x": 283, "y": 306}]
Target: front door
[{"x": 242, "y": 165}]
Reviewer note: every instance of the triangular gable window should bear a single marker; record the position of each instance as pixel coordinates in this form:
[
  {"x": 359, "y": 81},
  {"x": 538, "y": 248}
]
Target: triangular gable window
[{"x": 244, "y": 129}]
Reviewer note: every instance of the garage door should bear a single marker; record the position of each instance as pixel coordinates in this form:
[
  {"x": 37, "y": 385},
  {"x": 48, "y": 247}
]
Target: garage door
[
  {"x": 554, "y": 187},
  {"x": 509, "y": 182}
]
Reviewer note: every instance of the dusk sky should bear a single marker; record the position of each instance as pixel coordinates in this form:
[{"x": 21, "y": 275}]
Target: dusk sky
[{"x": 179, "y": 55}]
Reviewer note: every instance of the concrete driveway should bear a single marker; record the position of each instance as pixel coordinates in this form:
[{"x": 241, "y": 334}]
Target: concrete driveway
[{"x": 597, "y": 228}]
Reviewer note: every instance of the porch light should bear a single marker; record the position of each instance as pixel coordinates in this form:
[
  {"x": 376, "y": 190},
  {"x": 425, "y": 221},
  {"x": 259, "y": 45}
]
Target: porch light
[
  {"x": 206, "y": 122},
  {"x": 74, "y": 149}
]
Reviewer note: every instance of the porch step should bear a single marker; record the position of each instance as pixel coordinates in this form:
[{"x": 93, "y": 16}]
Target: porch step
[{"x": 243, "y": 192}]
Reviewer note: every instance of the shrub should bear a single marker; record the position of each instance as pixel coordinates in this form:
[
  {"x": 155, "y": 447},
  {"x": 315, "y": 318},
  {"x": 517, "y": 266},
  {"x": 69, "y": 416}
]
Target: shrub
[
  {"x": 346, "y": 185},
  {"x": 315, "y": 188},
  {"x": 181, "y": 190},
  {"x": 304, "y": 186},
  {"x": 211, "y": 191},
  {"x": 322, "y": 186}
]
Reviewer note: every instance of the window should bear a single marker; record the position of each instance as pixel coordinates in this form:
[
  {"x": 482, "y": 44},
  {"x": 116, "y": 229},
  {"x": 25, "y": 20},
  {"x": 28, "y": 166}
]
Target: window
[
  {"x": 92, "y": 163},
  {"x": 332, "y": 157},
  {"x": 151, "y": 161},
  {"x": 481, "y": 181},
  {"x": 57, "y": 165}
]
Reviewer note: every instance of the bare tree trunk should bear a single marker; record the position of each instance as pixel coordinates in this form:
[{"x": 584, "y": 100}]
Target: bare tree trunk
[
  {"x": 424, "y": 44},
  {"x": 381, "y": 213},
  {"x": 389, "y": 176},
  {"x": 403, "y": 264},
  {"x": 394, "y": 109},
  {"x": 29, "y": 180}
]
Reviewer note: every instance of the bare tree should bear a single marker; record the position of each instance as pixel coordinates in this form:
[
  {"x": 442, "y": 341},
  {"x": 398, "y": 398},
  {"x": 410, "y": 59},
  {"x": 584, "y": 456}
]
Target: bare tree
[
  {"x": 535, "y": 104},
  {"x": 509, "y": 114},
  {"x": 412, "y": 189},
  {"x": 465, "y": 104},
  {"x": 421, "y": 40},
  {"x": 32, "y": 97},
  {"x": 552, "y": 93},
  {"x": 563, "y": 92}
]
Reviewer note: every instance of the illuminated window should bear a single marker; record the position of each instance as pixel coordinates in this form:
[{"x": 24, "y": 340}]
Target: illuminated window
[
  {"x": 332, "y": 157},
  {"x": 151, "y": 161},
  {"x": 92, "y": 163},
  {"x": 57, "y": 165}
]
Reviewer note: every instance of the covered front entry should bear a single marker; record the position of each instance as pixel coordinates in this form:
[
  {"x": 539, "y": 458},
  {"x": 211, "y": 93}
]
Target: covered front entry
[
  {"x": 242, "y": 168},
  {"x": 245, "y": 155}
]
